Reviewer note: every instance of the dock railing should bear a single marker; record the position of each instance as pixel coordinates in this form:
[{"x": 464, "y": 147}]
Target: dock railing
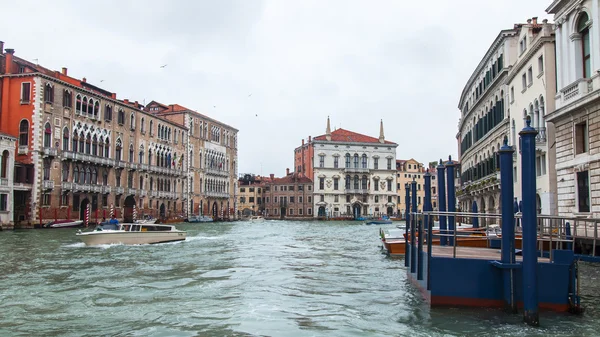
[{"x": 553, "y": 232}]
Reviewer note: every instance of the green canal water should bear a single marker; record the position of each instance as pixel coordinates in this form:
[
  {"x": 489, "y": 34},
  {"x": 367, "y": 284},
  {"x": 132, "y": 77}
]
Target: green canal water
[{"x": 274, "y": 278}]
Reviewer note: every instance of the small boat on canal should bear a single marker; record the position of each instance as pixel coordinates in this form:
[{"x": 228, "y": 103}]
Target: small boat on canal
[
  {"x": 381, "y": 221},
  {"x": 64, "y": 224},
  {"x": 131, "y": 234},
  {"x": 200, "y": 218}
]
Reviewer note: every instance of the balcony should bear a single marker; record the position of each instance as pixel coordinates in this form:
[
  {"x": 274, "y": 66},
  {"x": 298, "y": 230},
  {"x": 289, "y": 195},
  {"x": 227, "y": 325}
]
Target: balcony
[
  {"x": 50, "y": 152},
  {"x": 356, "y": 170},
  {"x": 131, "y": 191},
  {"x": 132, "y": 166},
  {"x": 143, "y": 167},
  {"x": 143, "y": 193},
  {"x": 48, "y": 184},
  {"x": 106, "y": 189},
  {"x": 23, "y": 149},
  {"x": 573, "y": 92},
  {"x": 217, "y": 172},
  {"x": 22, "y": 186},
  {"x": 119, "y": 190},
  {"x": 153, "y": 194},
  {"x": 67, "y": 185},
  {"x": 540, "y": 138},
  {"x": 82, "y": 157},
  {"x": 96, "y": 188},
  {"x": 357, "y": 191},
  {"x": 120, "y": 164},
  {"x": 217, "y": 194},
  {"x": 471, "y": 188}
]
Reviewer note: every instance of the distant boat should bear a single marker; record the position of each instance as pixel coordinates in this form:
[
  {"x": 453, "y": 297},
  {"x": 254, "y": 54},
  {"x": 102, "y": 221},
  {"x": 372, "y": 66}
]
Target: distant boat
[
  {"x": 148, "y": 221},
  {"x": 200, "y": 218},
  {"x": 256, "y": 218},
  {"x": 384, "y": 220},
  {"x": 64, "y": 224}
]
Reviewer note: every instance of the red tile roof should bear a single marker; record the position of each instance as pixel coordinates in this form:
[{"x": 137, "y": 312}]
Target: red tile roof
[
  {"x": 292, "y": 178},
  {"x": 341, "y": 135}
]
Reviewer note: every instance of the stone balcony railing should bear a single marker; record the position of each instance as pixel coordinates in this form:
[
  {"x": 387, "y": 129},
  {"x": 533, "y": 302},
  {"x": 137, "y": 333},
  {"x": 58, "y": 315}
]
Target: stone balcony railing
[
  {"x": 143, "y": 193},
  {"x": 153, "y": 194},
  {"x": 576, "y": 90},
  {"x": 87, "y": 158},
  {"x": 50, "y": 151},
  {"x": 48, "y": 184},
  {"x": 480, "y": 185},
  {"x": 131, "y": 191},
  {"x": 217, "y": 194},
  {"x": 96, "y": 188},
  {"x": 541, "y": 136},
  {"x": 357, "y": 190},
  {"x": 217, "y": 172},
  {"x": 356, "y": 170},
  {"x": 106, "y": 189},
  {"x": 3, "y": 181},
  {"x": 144, "y": 167},
  {"x": 119, "y": 190}
]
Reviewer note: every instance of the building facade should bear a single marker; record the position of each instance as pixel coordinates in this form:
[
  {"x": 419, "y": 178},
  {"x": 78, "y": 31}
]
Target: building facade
[
  {"x": 576, "y": 117},
  {"x": 483, "y": 125},
  {"x": 531, "y": 82},
  {"x": 81, "y": 150},
  {"x": 406, "y": 171},
  {"x": 211, "y": 147},
  {"x": 354, "y": 175},
  {"x": 289, "y": 197},
  {"x": 7, "y": 164},
  {"x": 250, "y": 195}
]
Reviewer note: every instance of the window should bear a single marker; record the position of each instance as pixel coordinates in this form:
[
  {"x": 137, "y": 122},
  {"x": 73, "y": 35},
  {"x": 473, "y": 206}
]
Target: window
[
  {"x": 336, "y": 183},
  {"x": 25, "y": 92},
  {"x": 524, "y": 81},
  {"x": 376, "y": 163},
  {"x": 67, "y": 99},
  {"x": 356, "y": 182},
  {"x": 583, "y": 191},
  {"x": 364, "y": 161},
  {"x": 540, "y": 64},
  {"x": 321, "y": 183},
  {"x": 309, "y": 211},
  {"x": 300, "y": 199},
  {"x": 336, "y": 198},
  {"x": 290, "y": 188},
  {"x": 347, "y": 160},
  {"x": 65, "y": 146},
  {"x": 105, "y": 201},
  {"x": 24, "y": 133},
  {"x": 390, "y": 198},
  {"x": 512, "y": 94},
  {"x": 540, "y": 165},
  {"x": 108, "y": 113},
  {"x": 309, "y": 199},
  {"x": 389, "y": 163},
  {"x": 376, "y": 184},
  {"x": 45, "y": 199},
  {"x": 310, "y": 187},
  {"x": 322, "y": 197},
  {"x": 121, "y": 117},
  {"x": 299, "y": 211},
  {"x": 376, "y": 198},
  {"x": 251, "y": 199},
  {"x": 530, "y": 75},
  {"x": 291, "y": 210},
  {"x": 389, "y": 185},
  {"x": 355, "y": 160},
  {"x": 4, "y": 169},
  {"x": 132, "y": 122},
  {"x": 47, "y": 135},
  {"x": 581, "y": 138},
  {"x": 347, "y": 198},
  {"x": 336, "y": 162},
  {"x": 275, "y": 199},
  {"x": 523, "y": 44},
  {"x": 291, "y": 199},
  {"x": 584, "y": 32},
  {"x": 365, "y": 184},
  {"x": 321, "y": 161},
  {"x": 49, "y": 93},
  {"x": 64, "y": 199}
]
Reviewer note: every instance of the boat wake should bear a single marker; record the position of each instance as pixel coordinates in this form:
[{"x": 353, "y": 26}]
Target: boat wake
[{"x": 199, "y": 238}]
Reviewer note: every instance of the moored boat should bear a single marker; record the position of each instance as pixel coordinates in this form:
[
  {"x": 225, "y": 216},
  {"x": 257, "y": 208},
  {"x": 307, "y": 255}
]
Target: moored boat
[
  {"x": 256, "y": 218},
  {"x": 381, "y": 221},
  {"x": 64, "y": 224},
  {"x": 131, "y": 234},
  {"x": 200, "y": 218},
  {"x": 147, "y": 221}
]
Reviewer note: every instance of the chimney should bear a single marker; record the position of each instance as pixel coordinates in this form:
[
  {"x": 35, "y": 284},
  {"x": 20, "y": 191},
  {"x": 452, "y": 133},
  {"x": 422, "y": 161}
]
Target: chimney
[
  {"x": 136, "y": 104},
  {"x": 545, "y": 21},
  {"x": 9, "y": 60},
  {"x": 309, "y": 139},
  {"x": 113, "y": 95},
  {"x": 126, "y": 101},
  {"x": 328, "y": 130},
  {"x": 534, "y": 20},
  {"x": 302, "y": 141},
  {"x": 64, "y": 71},
  {"x": 287, "y": 171},
  {"x": 528, "y": 20},
  {"x": 272, "y": 176},
  {"x": 1, "y": 47},
  {"x": 84, "y": 80},
  {"x": 381, "y": 137}
]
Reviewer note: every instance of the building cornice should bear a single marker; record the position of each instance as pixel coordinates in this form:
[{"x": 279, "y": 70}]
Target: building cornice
[
  {"x": 496, "y": 131},
  {"x": 560, "y": 7},
  {"x": 497, "y": 42},
  {"x": 539, "y": 43},
  {"x": 572, "y": 107},
  {"x": 497, "y": 83},
  {"x": 87, "y": 91},
  {"x": 331, "y": 142}
]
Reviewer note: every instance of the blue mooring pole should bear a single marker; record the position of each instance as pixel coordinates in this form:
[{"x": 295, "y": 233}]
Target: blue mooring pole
[
  {"x": 406, "y": 226},
  {"x": 421, "y": 222},
  {"x": 442, "y": 201},
  {"x": 413, "y": 236},
  {"x": 508, "y": 223},
  {"x": 428, "y": 208},
  {"x": 451, "y": 198},
  {"x": 530, "y": 265}
]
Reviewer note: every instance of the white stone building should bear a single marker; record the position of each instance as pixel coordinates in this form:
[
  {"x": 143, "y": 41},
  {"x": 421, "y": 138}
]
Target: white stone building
[
  {"x": 532, "y": 86},
  {"x": 483, "y": 125},
  {"x": 577, "y": 114},
  {"x": 354, "y": 174},
  {"x": 7, "y": 165}
]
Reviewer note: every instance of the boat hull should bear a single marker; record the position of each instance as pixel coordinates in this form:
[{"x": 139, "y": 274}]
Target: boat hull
[
  {"x": 130, "y": 238},
  {"x": 77, "y": 223}
]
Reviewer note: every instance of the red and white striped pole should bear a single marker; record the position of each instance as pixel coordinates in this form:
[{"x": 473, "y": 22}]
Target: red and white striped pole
[
  {"x": 87, "y": 215},
  {"x": 112, "y": 211}
]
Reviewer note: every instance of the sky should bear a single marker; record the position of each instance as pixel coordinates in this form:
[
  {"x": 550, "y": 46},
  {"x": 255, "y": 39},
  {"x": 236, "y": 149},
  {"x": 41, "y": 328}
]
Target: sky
[{"x": 275, "y": 70}]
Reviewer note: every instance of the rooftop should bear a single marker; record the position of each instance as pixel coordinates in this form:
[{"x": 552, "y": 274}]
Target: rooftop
[{"x": 345, "y": 136}]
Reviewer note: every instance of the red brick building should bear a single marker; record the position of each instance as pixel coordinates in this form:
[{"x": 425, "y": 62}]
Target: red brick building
[{"x": 289, "y": 197}]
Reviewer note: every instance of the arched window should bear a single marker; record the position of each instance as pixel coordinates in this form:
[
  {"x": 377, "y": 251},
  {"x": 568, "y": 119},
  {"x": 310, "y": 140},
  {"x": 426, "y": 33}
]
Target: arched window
[
  {"x": 355, "y": 160},
  {"x": 365, "y": 184},
  {"x": 88, "y": 144},
  {"x": 131, "y": 153},
  {"x": 84, "y": 106},
  {"x": 141, "y": 156},
  {"x": 91, "y": 107},
  {"x": 107, "y": 148},
  {"x": 65, "y": 171},
  {"x": 47, "y": 135},
  {"x": 151, "y": 183},
  {"x": 142, "y": 126},
  {"x": 108, "y": 113},
  {"x": 364, "y": 161},
  {"x": 118, "y": 149},
  {"x": 141, "y": 185},
  {"x": 96, "y": 109},
  {"x": 584, "y": 31},
  {"x": 88, "y": 175},
  {"x": 76, "y": 175},
  {"x": 105, "y": 177},
  {"x": 81, "y": 143},
  {"x": 4, "y": 168},
  {"x": 49, "y": 93},
  {"x": 94, "y": 145},
  {"x": 132, "y": 121},
  {"x": 151, "y": 126},
  {"x": 121, "y": 117},
  {"x": 149, "y": 157},
  {"x": 347, "y": 160},
  {"x": 24, "y": 133},
  {"x": 67, "y": 99},
  {"x": 94, "y": 179},
  {"x": 81, "y": 175},
  {"x": 65, "y": 146},
  {"x": 356, "y": 182},
  {"x": 78, "y": 104}
]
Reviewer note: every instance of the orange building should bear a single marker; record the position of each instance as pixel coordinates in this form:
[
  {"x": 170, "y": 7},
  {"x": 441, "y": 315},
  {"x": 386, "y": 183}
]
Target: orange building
[
  {"x": 83, "y": 153},
  {"x": 303, "y": 158}
]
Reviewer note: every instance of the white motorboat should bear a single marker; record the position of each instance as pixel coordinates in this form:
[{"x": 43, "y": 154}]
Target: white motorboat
[
  {"x": 131, "y": 234},
  {"x": 256, "y": 218},
  {"x": 148, "y": 221},
  {"x": 64, "y": 224},
  {"x": 200, "y": 218}
]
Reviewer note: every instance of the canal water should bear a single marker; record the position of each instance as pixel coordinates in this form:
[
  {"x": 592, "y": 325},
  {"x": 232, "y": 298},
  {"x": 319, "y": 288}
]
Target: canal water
[{"x": 274, "y": 278}]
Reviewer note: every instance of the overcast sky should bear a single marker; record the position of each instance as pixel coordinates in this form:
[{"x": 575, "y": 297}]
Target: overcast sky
[{"x": 276, "y": 69}]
